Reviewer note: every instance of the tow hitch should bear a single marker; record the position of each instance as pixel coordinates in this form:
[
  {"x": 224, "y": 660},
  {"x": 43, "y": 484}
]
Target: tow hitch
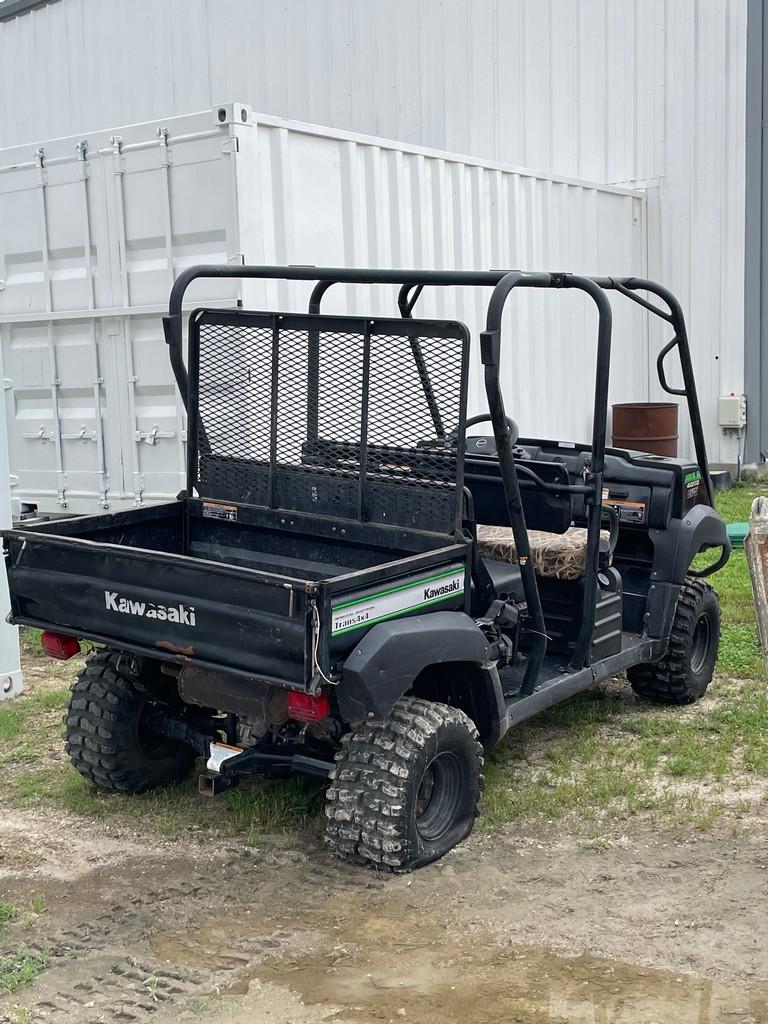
[
  {"x": 268, "y": 761},
  {"x": 227, "y": 764}
]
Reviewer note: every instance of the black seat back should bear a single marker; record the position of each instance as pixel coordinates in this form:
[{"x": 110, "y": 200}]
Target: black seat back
[{"x": 544, "y": 509}]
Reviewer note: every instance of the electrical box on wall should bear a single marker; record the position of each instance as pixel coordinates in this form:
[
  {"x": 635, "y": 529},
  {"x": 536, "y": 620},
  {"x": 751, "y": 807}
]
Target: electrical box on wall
[{"x": 732, "y": 411}]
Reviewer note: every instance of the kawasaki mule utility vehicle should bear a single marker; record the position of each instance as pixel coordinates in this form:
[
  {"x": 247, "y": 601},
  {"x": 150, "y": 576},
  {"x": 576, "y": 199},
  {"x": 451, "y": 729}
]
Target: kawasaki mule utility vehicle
[{"x": 352, "y": 588}]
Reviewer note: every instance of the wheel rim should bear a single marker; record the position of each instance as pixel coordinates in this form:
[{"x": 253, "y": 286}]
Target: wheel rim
[
  {"x": 700, "y": 644},
  {"x": 439, "y": 796}
]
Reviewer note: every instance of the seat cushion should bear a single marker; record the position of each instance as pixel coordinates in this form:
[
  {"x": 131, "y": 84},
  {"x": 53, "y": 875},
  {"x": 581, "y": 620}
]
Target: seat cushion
[{"x": 560, "y": 556}]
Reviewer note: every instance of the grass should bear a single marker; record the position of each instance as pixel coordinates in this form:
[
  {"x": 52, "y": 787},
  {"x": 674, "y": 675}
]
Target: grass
[
  {"x": 31, "y": 641},
  {"x": 20, "y": 1015},
  {"x": 611, "y": 753},
  {"x": 248, "y": 812},
  {"x": 740, "y": 653},
  {"x": 734, "y": 505},
  {"x": 30, "y": 725},
  {"x": 19, "y": 969},
  {"x": 12, "y": 718},
  {"x": 603, "y": 754},
  {"x": 599, "y": 757},
  {"x": 8, "y": 912}
]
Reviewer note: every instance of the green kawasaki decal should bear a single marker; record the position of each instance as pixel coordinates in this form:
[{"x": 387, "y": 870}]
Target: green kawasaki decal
[
  {"x": 394, "y": 601},
  {"x": 691, "y": 478}
]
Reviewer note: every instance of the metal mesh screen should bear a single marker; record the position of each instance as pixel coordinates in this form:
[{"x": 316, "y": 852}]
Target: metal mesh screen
[{"x": 347, "y": 417}]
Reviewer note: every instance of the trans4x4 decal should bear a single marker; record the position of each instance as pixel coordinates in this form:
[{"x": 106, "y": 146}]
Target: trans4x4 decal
[
  {"x": 408, "y": 596},
  {"x": 184, "y": 614}
]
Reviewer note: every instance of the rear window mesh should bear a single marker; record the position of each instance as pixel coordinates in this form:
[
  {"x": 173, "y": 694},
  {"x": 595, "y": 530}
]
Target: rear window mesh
[{"x": 347, "y": 417}]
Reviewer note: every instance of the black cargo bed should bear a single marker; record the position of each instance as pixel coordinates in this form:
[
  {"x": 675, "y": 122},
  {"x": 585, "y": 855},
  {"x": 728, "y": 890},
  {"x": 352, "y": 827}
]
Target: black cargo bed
[{"x": 229, "y": 586}]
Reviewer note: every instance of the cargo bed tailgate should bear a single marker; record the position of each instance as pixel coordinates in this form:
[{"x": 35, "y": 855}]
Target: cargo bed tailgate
[{"x": 230, "y": 617}]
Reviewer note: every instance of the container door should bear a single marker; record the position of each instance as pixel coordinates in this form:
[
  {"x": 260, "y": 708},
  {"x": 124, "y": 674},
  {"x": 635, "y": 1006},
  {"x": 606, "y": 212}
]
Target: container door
[
  {"x": 94, "y": 231},
  {"x": 50, "y": 253},
  {"x": 169, "y": 203}
]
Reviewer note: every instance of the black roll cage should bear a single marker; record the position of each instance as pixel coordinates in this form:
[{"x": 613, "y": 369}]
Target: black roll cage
[{"x": 412, "y": 283}]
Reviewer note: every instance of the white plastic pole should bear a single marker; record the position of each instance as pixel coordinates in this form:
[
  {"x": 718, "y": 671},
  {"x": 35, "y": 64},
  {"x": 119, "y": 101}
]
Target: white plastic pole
[{"x": 10, "y": 661}]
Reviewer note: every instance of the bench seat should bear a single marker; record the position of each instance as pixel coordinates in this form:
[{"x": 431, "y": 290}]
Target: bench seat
[{"x": 560, "y": 556}]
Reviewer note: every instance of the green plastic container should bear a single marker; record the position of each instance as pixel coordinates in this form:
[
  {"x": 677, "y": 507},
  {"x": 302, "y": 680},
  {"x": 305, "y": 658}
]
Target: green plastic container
[{"x": 736, "y": 533}]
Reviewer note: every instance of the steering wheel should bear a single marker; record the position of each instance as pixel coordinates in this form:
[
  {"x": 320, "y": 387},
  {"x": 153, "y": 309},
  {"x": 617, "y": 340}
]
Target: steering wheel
[{"x": 485, "y": 417}]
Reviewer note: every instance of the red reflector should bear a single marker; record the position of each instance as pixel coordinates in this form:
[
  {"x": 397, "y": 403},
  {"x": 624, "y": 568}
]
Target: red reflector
[
  {"x": 305, "y": 707},
  {"x": 58, "y": 646}
]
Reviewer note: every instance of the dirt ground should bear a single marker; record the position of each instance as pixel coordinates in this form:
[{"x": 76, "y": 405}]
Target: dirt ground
[
  {"x": 504, "y": 929},
  {"x": 528, "y": 924}
]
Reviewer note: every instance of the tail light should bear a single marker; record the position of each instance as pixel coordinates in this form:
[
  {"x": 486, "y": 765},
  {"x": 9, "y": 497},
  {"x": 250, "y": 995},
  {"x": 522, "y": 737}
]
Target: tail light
[
  {"x": 56, "y": 645},
  {"x": 305, "y": 707}
]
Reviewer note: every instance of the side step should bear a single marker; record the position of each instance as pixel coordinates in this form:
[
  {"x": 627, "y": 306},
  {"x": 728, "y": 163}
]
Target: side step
[{"x": 561, "y": 686}]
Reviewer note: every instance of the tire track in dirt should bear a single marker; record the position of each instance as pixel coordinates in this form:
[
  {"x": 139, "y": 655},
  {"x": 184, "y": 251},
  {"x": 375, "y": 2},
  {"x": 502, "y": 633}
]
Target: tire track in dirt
[
  {"x": 88, "y": 977},
  {"x": 123, "y": 993},
  {"x": 207, "y": 933},
  {"x": 102, "y": 915}
]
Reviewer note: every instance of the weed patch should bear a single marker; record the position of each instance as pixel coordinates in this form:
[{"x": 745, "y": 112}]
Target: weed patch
[
  {"x": 19, "y": 969},
  {"x": 7, "y": 912},
  {"x": 12, "y": 718}
]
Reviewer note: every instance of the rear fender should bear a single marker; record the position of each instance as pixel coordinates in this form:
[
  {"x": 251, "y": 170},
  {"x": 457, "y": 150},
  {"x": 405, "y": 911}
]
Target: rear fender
[{"x": 386, "y": 661}]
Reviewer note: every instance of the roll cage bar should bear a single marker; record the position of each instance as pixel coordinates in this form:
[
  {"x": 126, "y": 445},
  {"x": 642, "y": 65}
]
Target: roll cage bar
[{"x": 412, "y": 283}]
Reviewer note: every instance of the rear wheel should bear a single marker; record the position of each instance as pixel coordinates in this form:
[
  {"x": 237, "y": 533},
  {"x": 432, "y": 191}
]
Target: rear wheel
[
  {"x": 684, "y": 673},
  {"x": 405, "y": 791},
  {"x": 106, "y": 734}
]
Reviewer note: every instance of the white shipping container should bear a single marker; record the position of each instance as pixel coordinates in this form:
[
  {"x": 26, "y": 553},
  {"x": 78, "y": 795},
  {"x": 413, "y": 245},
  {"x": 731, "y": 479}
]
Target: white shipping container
[{"x": 94, "y": 229}]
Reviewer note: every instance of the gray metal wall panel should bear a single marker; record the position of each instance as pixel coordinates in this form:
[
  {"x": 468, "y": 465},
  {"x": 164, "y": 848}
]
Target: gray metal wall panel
[
  {"x": 583, "y": 89},
  {"x": 605, "y": 90}
]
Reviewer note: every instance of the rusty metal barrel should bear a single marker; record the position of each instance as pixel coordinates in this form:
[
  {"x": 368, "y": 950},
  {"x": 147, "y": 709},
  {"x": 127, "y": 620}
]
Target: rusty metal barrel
[{"x": 646, "y": 427}]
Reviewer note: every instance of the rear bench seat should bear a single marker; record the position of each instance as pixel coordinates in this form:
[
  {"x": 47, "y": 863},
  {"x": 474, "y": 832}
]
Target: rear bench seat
[{"x": 560, "y": 556}]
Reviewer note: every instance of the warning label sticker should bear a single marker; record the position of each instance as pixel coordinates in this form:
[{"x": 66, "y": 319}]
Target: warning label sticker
[
  {"x": 216, "y": 510},
  {"x": 627, "y": 511}
]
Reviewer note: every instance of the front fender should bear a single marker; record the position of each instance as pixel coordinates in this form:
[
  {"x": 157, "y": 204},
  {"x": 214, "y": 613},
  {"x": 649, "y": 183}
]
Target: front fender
[
  {"x": 390, "y": 656},
  {"x": 675, "y": 548}
]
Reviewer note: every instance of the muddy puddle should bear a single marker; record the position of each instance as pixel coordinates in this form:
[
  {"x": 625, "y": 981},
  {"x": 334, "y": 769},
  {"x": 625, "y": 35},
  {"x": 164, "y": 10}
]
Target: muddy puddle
[{"x": 404, "y": 968}]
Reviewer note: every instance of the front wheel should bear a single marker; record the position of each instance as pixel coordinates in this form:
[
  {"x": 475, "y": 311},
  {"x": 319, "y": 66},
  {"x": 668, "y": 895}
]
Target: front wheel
[
  {"x": 684, "y": 673},
  {"x": 405, "y": 791}
]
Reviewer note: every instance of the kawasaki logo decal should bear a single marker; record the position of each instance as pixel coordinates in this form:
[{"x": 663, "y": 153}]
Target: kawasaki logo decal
[
  {"x": 454, "y": 587},
  {"x": 398, "y": 600},
  {"x": 184, "y": 614}
]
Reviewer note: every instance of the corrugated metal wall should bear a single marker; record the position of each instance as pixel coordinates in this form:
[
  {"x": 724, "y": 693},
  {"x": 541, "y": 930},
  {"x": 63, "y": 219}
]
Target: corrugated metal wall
[
  {"x": 649, "y": 91},
  {"x": 585, "y": 88},
  {"x": 697, "y": 243}
]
